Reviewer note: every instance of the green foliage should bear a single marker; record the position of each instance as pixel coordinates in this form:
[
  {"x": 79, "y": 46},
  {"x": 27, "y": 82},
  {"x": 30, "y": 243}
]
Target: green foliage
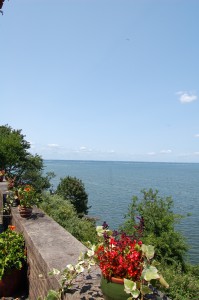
[
  {"x": 153, "y": 218},
  {"x": 52, "y": 295},
  {"x": 73, "y": 190},
  {"x": 27, "y": 196},
  {"x": 12, "y": 253},
  {"x": 13, "y": 149},
  {"x": 183, "y": 285},
  {"x": 31, "y": 173},
  {"x": 63, "y": 213},
  {"x": 18, "y": 163}
]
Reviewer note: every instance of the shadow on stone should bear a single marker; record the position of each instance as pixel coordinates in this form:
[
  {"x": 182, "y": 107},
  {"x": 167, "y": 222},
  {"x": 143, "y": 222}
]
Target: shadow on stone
[{"x": 36, "y": 216}]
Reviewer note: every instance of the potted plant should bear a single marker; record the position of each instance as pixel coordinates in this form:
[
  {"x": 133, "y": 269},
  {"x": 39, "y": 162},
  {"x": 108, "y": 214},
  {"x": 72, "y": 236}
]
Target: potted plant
[
  {"x": 12, "y": 258},
  {"x": 27, "y": 198},
  {"x": 6, "y": 216},
  {"x": 2, "y": 173},
  {"x": 127, "y": 266},
  {"x": 12, "y": 197}
]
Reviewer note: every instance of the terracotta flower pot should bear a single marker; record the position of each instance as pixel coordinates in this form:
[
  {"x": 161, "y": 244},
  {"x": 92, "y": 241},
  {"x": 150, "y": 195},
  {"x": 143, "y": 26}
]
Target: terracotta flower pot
[
  {"x": 25, "y": 212},
  {"x": 10, "y": 282}
]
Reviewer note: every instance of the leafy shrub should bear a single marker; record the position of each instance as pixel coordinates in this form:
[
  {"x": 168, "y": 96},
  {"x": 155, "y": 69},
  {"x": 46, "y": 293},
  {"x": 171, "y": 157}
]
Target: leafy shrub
[
  {"x": 73, "y": 190},
  {"x": 152, "y": 217},
  {"x": 154, "y": 221},
  {"x": 64, "y": 213},
  {"x": 183, "y": 285}
]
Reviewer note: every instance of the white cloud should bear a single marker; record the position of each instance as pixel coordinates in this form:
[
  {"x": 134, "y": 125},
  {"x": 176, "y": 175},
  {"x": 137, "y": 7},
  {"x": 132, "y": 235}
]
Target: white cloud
[
  {"x": 186, "y": 97},
  {"x": 53, "y": 145},
  {"x": 197, "y": 135},
  {"x": 84, "y": 149},
  {"x": 111, "y": 151},
  {"x": 165, "y": 151},
  {"x": 151, "y": 153},
  {"x": 196, "y": 153}
]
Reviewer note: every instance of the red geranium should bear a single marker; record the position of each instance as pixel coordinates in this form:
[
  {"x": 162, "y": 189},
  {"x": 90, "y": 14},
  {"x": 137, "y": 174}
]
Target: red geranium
[{"x": 119, "y": 255}]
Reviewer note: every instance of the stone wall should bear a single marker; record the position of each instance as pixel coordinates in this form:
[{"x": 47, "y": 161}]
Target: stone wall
[
  {"x": 50, "y": 246},
  {"x": 3, "y": 190}
]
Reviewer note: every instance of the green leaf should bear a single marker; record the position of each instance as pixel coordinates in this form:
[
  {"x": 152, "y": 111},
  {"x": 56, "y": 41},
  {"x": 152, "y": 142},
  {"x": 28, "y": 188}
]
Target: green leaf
[
  {"x": 148, "y": 250},
  {"x": 135, "y": 293},
  {"x": 150, "y": 273},
  {"x": 130, "y": 287},
  {"x": 55, "y": 271},
  {"x": 52, "y": 295},
  {"x": 145, "y": 290},
  {"x": 163, "y": 282}
]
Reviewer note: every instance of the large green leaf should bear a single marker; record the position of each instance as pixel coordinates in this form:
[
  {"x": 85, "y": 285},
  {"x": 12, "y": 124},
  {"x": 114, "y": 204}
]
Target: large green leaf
[
  {"x": 150, "y": 273},
  {"x": 130, "y": 287},
  {"x": 148, "y": 250}
]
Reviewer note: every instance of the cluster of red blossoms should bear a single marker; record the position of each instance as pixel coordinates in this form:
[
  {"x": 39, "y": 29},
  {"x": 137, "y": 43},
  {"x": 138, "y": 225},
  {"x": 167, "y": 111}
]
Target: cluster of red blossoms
[{"x": 120, "y": 256}]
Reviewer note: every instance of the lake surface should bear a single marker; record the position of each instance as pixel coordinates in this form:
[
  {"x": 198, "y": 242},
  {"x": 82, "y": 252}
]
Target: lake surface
[{"x": 111, "y": 185}]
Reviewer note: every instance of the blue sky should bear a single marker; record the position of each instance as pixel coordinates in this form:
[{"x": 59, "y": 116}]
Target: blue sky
[{"x": 102, "y": 79}]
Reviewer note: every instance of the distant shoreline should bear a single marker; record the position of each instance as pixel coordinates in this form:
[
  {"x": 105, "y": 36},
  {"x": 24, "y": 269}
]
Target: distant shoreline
[{"x": 120, "y": 161}]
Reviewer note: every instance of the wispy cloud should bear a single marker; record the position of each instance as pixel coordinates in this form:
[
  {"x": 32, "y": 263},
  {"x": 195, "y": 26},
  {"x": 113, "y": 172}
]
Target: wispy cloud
[
  {"x": 151, "y": 153},
  {"x": 165, "y": 151},
  {"x": 196, "y": 135},
  {"x": 53, "y": 145},
  {"x": 186, "y": 97},
  {"x": 82, "y": 149}
]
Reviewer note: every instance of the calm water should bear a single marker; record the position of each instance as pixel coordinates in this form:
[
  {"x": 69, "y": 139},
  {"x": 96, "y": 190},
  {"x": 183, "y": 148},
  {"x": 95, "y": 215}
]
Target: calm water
[{"x": 111, "y": 185}]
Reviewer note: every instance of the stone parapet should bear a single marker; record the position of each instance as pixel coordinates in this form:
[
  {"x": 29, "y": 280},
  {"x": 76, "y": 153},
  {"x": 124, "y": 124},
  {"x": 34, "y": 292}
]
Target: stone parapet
[{"x": 3, "y": 191}]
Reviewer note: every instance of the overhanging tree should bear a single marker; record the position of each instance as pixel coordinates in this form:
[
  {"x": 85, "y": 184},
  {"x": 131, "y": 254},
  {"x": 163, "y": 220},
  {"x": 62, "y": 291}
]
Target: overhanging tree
[
  {"x": 1, "y": 5},
  {"x": 18, "y": 162}
]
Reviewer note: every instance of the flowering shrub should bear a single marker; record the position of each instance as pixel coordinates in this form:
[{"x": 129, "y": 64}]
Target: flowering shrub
[
  {"x": 120, "y": 256},
  {"x": 27, "y": 196},
  {"x": 12, "y": 253}
]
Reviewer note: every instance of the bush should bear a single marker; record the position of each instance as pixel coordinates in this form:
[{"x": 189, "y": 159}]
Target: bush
[
  {"x": 183, "y": 285},
  {"x": 63, "y": 213},
  {"x": 152, "y": 217},
  {"x": 73, "y": 190}
]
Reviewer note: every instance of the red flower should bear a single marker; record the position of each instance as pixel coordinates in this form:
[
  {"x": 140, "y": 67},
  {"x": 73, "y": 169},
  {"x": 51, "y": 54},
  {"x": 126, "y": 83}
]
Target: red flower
[
  {"x": 120, "y": 256},
  {"x": 11, "y": 227}
]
